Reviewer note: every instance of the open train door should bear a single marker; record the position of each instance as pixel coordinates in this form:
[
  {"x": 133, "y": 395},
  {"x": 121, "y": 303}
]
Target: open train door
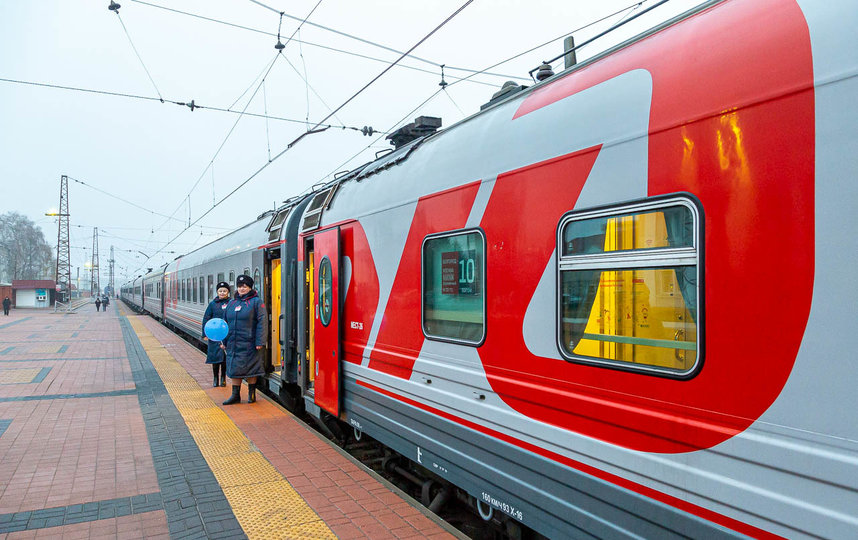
[{"x": 326, "y": 330}]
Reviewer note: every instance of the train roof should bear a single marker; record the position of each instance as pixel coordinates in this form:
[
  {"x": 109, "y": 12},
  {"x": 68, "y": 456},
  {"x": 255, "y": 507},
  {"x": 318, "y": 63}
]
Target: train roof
[{"x": 247, "y": 238}]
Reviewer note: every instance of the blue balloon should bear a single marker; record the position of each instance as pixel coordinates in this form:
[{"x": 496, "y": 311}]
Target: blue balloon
[{"x": 216, "y": 329}]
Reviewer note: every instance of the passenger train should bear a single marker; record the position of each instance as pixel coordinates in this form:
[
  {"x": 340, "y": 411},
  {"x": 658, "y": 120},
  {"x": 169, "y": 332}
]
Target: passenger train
[{"x": 615, "y": 303}]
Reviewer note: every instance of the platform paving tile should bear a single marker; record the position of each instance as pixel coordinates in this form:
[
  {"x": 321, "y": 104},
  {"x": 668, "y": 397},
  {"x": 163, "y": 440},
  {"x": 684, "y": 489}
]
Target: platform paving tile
[
  {"x": 78, "y": 411},
  {"x": 352, "y": 502}
]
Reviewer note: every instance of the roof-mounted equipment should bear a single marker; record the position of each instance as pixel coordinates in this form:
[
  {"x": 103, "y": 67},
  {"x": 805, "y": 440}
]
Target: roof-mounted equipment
[
  {"x": 509, "y": 88},
  {"x": 420, "y": 127}
]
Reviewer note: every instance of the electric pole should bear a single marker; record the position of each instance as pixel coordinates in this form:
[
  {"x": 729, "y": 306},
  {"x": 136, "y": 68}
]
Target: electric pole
[
  {"x": 95, "y": 285},
  {"x": 110, "y": 283},
  {"x": 63, "y": 272}
]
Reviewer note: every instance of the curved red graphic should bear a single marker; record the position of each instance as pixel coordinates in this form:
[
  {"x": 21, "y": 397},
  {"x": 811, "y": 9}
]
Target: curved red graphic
[
  {"x": 400, "y": 336},
  {"x": 739, "y": 135},
  {"x": 361, "y": 297}
]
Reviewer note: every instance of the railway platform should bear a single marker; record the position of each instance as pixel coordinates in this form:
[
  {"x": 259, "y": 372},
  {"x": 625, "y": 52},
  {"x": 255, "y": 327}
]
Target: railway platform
[{"x": 109, "y": 428}]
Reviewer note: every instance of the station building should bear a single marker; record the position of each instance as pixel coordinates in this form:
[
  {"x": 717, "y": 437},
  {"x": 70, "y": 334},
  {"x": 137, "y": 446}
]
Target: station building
[{"x": 33, "y": 293}]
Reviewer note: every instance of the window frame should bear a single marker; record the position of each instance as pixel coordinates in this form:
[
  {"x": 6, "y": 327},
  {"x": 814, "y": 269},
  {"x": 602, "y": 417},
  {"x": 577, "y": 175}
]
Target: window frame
[
  {"x": 257, "y": 280},
  {"x": 651, "y": 258},
  {"x": 484, "y": 285}
]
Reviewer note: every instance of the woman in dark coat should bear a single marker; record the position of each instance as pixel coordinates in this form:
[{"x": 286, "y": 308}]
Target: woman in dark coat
[
  {"x": 247, "y": 318},
  {"x": 215, "y": 355}
]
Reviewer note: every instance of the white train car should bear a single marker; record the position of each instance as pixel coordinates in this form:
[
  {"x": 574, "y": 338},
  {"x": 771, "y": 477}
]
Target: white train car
[
  {"x": 152, "y": 297},
  {"x": 189, "y": 281}
]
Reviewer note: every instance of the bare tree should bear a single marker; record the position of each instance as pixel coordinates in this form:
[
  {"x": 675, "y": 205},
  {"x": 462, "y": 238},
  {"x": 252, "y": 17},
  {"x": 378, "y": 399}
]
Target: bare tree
[{"x": 24, "y": 252}]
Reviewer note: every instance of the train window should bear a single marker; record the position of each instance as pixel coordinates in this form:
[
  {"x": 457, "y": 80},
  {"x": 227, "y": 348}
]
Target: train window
[
  {"x": 257, "y": 281},
  {"x": 246, "y": 272},
  {"x": 629, "y": 286},
  {"x": 326, "y": 300},
  {"x": 232, "y": 279},
  {"x": 195, "y": 289},
  {"x": 454, "y": 283},
  {"x": 202, "y": 289},
  {"x": 211, "y": 284},
  {"x": 220, "y": 277}
]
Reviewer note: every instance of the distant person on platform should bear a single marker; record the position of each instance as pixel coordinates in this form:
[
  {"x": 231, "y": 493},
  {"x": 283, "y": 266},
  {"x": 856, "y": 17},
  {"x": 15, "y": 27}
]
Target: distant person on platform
[
  {"x": 97, "y": 304},
  {"x": 106, "y": 302},
  {"x": 6, "y": 305},
  {"x": 246, "y": 318},
  {"x": 215, "y": 355}
]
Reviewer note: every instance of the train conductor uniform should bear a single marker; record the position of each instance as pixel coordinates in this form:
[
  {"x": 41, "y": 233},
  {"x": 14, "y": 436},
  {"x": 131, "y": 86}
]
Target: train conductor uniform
[
  {"x": 247, "y": 320},
  {"x": 214, "y": 354}
]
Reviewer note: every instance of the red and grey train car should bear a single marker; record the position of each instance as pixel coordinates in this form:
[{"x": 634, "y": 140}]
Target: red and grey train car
[{"x": 615, "y": 303}]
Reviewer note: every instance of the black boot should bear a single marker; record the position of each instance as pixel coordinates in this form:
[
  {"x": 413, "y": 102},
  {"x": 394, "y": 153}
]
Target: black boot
[
  {"x": 236, "y": 395},
  {"x": 223, "y": 374},
  {"x": 215, "y": 369},
  {"x": 251, "y": 393}
]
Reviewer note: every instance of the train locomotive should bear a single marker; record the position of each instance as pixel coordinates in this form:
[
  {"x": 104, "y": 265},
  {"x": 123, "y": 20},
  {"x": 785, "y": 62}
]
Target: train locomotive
[{"x": 611, "y": 304}]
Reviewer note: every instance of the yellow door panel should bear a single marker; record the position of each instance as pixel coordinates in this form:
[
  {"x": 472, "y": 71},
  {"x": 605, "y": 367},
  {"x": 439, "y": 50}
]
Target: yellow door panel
[{"x": 277, "y": 353}]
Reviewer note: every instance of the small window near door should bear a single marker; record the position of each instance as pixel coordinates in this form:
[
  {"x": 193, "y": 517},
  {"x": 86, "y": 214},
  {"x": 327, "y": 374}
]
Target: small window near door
[
  {"x": 257, "y": 281},
  {"x": 454, "y": 286},
  {"x": 326, "y": 300}
]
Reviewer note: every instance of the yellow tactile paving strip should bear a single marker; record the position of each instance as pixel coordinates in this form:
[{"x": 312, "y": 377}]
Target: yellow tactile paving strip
[
  {"x": 264, "y": 503},
  {"x": 18, "y": 375}
]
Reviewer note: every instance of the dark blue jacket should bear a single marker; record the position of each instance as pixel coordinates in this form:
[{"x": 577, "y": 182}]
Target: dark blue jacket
[
  {"x": 247, "y": 320},
  {"x": 215, "y": 310}
]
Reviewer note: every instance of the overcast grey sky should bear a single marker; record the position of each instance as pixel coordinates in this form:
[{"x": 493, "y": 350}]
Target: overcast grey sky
[{"x": 160, "y": 156}]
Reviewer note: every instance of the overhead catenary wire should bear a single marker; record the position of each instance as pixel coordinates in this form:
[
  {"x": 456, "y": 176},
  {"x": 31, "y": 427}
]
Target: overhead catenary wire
[
  {"x": 306, "y": 80},
  {"x": 321, "y": 46},
  {"x": 309, "y": 89},
  {"x": 464, "y": 79},
  {"x": 126, "y": 201},
  {"x": 150, "y": 98},
  {"x": 249, "y": 101},
  {"x": 379, "y": 45},
  {"x": 265, "y": 104},
  {"x": 318, "y": 124},
  {"x": 118, "y": 16},
  {"x": 605, "y": 32},
  {"x": 229, "y": 133},
  {"x": 432, "y": 96}
]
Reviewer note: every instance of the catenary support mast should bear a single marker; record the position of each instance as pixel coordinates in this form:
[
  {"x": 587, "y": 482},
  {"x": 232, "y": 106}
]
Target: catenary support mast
[
  {"x": 95, "y": 285},
  {"x": 63, "y": 273}
]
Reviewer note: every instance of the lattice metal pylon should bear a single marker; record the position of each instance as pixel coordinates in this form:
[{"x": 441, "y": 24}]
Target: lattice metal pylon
[
  {"x": 95, "y": 284},
  {"x": 63, "y": 248}
]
